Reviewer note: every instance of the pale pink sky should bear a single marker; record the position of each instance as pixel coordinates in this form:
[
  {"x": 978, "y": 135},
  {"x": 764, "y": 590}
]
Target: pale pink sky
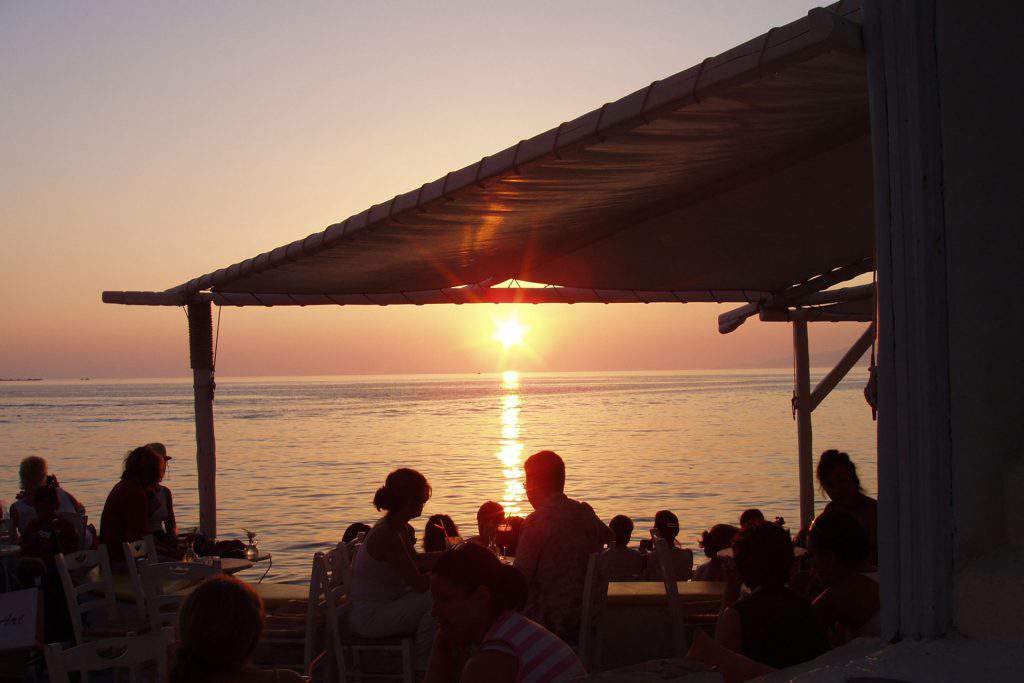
[{"x": 146, "y": 143}]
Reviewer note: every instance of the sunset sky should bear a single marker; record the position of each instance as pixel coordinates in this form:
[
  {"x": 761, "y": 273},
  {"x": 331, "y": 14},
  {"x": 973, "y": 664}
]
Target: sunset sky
[{"x": 146, "y": 143}]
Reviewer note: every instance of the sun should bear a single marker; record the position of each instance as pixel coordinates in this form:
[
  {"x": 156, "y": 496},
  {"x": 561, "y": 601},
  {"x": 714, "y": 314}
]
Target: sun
[{"x": 510, "y": 332}]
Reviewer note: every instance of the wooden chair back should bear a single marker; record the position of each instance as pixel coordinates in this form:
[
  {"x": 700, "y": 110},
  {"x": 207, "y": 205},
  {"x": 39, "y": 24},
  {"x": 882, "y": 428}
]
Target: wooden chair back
[
  {"x": 663, "y": 553},
  {"x": 136, "y": 554},
  {"x": 131, "y": 653},
  {"x": 163, "y": 584},
  {"x": 88, "y": 586},
  {"x": 592, "y": 609}
]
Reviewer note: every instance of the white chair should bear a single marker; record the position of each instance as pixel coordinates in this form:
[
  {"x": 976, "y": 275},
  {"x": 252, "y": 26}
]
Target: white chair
[
  {"x": 131, "y": 653},
  {"x": 137, "y": 553},
  {"x": 592, "y": 609},
  {"x": 663, "y": 553},
  {"x": 331, "y": 573},
  {"x": 346, "y": 651},
  {"x": 95, "y": 592},
  {"x": 164, "y": 585}
]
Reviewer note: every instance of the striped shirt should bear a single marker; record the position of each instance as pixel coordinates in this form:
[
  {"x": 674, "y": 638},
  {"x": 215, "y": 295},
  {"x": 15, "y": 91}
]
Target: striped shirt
[{"x": 541, "y": 656}]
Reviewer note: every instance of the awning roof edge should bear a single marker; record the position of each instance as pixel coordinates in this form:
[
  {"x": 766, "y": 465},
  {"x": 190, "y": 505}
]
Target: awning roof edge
[{"x": 822, "y": 30}]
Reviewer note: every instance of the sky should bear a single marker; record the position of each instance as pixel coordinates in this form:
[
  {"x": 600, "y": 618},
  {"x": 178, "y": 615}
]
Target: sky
[{"x": 146, "y": 143}]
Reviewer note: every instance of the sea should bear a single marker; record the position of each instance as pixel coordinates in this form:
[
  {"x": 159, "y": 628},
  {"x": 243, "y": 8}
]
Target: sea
[{"x": 299, "y": 458}]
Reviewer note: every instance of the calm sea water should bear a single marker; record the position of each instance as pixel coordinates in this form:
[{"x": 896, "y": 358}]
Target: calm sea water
[{"x": 299, "y": 459}]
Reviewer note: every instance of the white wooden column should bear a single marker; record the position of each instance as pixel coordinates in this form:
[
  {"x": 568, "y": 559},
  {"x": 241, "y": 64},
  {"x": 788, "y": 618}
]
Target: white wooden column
[
  {"x": 802, "y": 403},
  {"x": 916, "y": 522},
  {"x": 200, "y": 343}
]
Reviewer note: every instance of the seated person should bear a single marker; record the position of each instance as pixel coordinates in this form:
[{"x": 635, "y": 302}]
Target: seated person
[
  {"x": 220, "y": 624},
  {"x": 34, "y": 473},
  {"x": 126, "y": 512},
  {"x": 772, "y": 625},
  {"x": 476, "y": 599},
  {"x": 749, "y": 517},
  {"x": 666, "y": 526},
  {"x": 624, "y": 563},
  {"x": 162, "y": 523},
  {"x": 838, "y": 477},
  {"x": 437, "y": 531},
  {"x": 353, "y": 530},
  {"x": 389, "y": 593},
  {"x": 46, "y": 535},
  {"x": 838, "y": 552},
  {"x": 555, "y": 546},
  {"x": 488, "y": 517},
  {"x": 719, "y": 537}
]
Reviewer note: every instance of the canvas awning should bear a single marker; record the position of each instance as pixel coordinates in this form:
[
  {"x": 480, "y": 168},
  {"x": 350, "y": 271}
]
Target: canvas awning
[
  {"x": 730, "y": 181},
  {"x": 746, "y": 178}
]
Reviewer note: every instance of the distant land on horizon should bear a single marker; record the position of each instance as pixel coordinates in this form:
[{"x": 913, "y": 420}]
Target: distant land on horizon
[{"x": 823, "y": 360}]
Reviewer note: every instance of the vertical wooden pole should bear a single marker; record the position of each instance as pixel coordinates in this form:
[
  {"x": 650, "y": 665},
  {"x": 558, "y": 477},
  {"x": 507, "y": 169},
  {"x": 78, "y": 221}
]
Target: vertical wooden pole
[
  {"x": 200, "y": 344},
  {"x": 802, "y": 386}
]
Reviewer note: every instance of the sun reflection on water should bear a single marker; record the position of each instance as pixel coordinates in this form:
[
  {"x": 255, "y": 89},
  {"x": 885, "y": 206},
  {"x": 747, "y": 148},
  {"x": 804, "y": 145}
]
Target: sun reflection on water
[{"x": 510, "y": 453}]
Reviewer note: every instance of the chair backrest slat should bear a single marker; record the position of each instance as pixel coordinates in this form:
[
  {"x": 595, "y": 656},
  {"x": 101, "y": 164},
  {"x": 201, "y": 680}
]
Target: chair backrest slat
[
  {"x": 110, "y": 653},
  {"x": 94, "y": 567},
  {"x": 595, "y": 598},
  {"x": 663, "y": 551},
  {"x": 137, "y": 553},
  {"x": 163, "y": 584}
]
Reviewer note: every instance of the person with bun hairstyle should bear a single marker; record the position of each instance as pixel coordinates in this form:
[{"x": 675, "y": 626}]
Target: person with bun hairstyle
[
  {"x": 389, "y": 592},
  {"x": 719, "y": 537},
  {"x": 475, "y": 603},
  {"x": 220, "y": 624},
  {"x": 666, "y": 526},
  {"x": 838, "y": 478}
]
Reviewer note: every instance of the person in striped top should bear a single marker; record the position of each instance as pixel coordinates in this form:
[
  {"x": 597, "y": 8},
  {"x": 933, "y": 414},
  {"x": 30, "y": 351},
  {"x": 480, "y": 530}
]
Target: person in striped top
[{"x": 475, "y": 597}]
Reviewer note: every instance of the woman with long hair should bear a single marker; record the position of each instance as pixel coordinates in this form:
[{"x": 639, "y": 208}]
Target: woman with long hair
[
  {"x": 389, "y": 592},
  {"x": 127, "y": 508},
  {"x": 838, "y": 478},
  {"x": 475, "y": 603},
  {"x": 220, "y": 624}
]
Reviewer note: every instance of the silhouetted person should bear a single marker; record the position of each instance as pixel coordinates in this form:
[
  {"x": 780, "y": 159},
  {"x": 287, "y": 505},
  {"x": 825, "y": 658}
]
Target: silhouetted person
[
  {"x": 437, "y": 531},
  {"x": 476, "y": 599},
  {"x": 555, "y": 546},
  {"x": 389, "y": 592},
  {"x": 220, "y": 624},
  {"x": 623, "y": 562},
  {"x": 772, "y": 625}
]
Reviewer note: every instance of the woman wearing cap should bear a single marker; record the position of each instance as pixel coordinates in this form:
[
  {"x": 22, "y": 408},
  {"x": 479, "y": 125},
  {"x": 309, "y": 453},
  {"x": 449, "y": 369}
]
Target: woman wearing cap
[{"x": 162, "y": 524}]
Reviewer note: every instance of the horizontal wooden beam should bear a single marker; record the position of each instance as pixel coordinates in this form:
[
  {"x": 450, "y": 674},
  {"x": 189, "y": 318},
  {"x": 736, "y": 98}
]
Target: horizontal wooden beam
[
  {"x": 813, "y": 315},
  {"x": 797, "y": 294},
  {"x": 456, "y": 295}
]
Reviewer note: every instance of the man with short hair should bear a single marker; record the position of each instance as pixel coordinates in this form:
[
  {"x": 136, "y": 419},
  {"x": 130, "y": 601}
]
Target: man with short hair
[{"x": 555, "y": 546}]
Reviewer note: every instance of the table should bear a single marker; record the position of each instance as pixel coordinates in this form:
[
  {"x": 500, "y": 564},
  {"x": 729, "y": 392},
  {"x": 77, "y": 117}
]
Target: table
[
  {"x": 644, "y": 593},
  {"x": 125, "y": 592},
  {"x": 637, "y": 626}
]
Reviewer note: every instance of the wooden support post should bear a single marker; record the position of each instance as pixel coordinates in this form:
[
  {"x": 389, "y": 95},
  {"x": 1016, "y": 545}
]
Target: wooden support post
[
  {"x": 200, "y": 344},
  {"x": 802, "y": 403}
]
